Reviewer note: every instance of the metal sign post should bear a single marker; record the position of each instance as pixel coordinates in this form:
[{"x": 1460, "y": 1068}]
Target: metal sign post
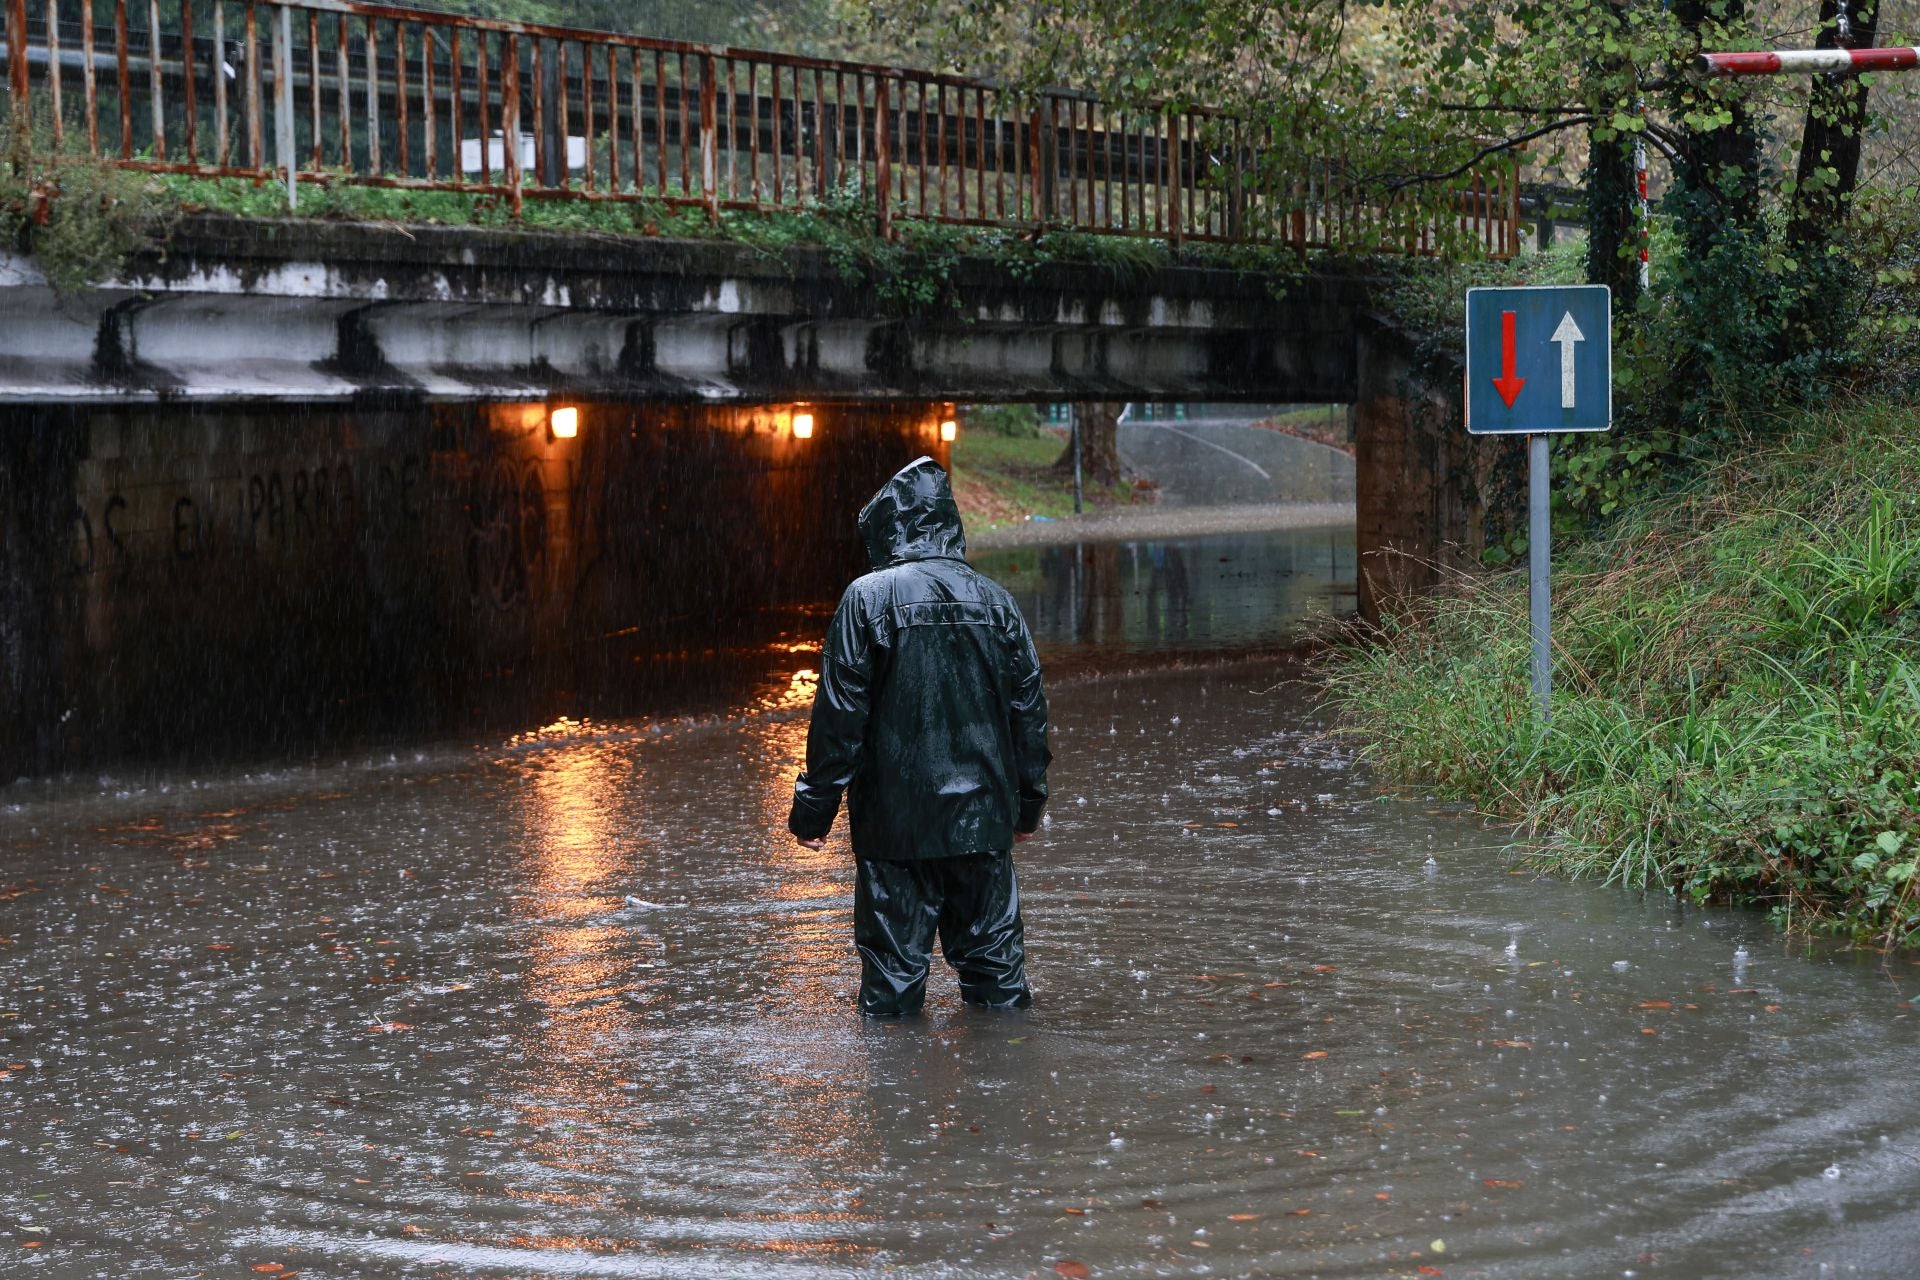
[
  {"x": 1073, "y": 413},
  {"x": 1539, "y": 360}
]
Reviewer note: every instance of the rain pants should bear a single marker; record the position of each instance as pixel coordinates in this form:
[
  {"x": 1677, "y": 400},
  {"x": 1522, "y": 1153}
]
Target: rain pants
[{"x": 931, "y": 720}]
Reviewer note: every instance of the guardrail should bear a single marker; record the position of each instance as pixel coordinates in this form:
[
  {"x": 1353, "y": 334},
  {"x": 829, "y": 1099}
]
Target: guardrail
[{"x": 377, "y": 94}]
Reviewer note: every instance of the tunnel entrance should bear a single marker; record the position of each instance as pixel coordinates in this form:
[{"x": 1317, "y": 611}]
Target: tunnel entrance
[{"x": 184, "y": 582}]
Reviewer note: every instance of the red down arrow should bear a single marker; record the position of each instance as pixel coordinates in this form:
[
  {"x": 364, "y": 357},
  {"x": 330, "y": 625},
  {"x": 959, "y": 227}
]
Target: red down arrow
[{"x": 1506, "y": 384}]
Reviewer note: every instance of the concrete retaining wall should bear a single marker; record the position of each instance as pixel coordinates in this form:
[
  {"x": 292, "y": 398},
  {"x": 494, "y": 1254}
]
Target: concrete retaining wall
[{"x": 177, "y": 581}]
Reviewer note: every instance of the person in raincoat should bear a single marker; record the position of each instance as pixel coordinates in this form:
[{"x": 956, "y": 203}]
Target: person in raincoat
[{"x": 931, "y": 718}]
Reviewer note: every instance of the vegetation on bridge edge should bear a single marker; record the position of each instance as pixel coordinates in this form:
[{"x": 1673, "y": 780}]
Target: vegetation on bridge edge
[
  {"x": 82, "y": 218},
  {"x": 1737, "y": 701}
]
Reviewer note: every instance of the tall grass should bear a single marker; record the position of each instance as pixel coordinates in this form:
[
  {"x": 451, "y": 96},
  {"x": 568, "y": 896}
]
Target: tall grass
[{"x": 1737, "y": 702}]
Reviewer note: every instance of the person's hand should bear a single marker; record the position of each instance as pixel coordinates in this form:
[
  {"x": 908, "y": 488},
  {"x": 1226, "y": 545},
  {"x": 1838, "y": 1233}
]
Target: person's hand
[
  {"x": 815, "y": 845},
  {"x": 1021, "y": 837}
]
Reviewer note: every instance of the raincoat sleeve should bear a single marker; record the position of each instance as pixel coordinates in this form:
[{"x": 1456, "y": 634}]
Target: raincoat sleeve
[
  {"x": 1028, "y": 720},
  {"x": 839, "y": 728}
]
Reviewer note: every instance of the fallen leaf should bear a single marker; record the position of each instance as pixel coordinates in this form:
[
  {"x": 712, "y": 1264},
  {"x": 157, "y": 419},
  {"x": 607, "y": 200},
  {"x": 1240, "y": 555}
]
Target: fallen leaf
[
  {"x": 1326, "y": 968},
  {"x": 1072, "y": 1270},
  {"x": 1317, "y": 1053},
  {"x": 270, "y": 1268},
  {"x": 1512, "y": 1044},
  {"x": 391, "y": 1026},
  {"x": 1771, "y": 1008},
  {"x": 1298, "y": 1213},
  {"x": 1078, "y": 1213},
  {"x": 1656, "y": 1004},
  {"x": 219, "y": 946},
  {"x": 1243, "y": 1217},
  {"x": 1507, "y": 1184},
  {"x": 1150, "y": 1204},
  {"x": 1431, "y": 1271},
  {"x": 1649, "y": 1031}
]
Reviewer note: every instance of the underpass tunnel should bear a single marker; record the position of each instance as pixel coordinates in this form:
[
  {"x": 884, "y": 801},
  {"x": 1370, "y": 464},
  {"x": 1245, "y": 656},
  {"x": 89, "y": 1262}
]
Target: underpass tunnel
[{"x": 184, "y": 580}]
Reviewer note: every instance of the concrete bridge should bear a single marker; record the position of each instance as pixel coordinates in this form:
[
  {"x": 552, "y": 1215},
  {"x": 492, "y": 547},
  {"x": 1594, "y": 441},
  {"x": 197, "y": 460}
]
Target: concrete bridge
[{"x": 277, "y": 467}]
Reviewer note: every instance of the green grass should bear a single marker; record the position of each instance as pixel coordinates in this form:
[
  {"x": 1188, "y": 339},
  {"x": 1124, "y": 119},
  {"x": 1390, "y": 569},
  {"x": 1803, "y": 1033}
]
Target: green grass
[
  {"x": 1002, "y": 480},
  {"x": 1737, "y": 701}
]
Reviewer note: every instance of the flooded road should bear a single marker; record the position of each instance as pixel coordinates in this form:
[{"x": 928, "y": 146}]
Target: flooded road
[{"x": 398, "y": 1015}]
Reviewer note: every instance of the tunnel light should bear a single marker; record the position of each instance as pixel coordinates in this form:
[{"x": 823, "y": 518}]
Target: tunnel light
[
  {"x": 948, "y": 430},
  {"x": 802, "y": 426},
  {"x": 564, "y": 423}
]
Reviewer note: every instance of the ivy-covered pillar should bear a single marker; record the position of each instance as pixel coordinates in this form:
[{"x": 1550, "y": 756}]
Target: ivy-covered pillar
[{"x": 1429, "y": 499}]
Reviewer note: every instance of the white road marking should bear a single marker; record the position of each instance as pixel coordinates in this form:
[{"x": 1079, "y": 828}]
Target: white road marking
[{"x": 1241, "y": 457}]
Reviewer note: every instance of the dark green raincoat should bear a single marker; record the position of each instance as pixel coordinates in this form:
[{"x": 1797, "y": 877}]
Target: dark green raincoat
[{"x": 929, "y": 715}]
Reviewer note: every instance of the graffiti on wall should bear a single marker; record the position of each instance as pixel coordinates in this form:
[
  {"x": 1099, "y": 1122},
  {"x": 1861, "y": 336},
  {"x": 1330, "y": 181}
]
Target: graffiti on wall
[
  {"x": 272, "y": 511},
  {"x": 506, "y": 537}
]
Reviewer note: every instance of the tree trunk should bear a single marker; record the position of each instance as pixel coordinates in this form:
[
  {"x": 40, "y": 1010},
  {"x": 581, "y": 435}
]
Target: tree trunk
[
  {"x": 1718, "y": 170},
  {"x": 1613, "y": 190},
  {"x": 1099, "y": 444},
  {"x": 1613, "y": 220},
  {"x": 1830, "y": 141}
]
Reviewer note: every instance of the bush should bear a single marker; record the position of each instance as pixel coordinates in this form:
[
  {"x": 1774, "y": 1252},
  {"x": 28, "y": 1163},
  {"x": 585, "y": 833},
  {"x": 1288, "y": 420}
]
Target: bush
[
  {"x": 80, "y": 215},
  {"x": 1015, "y": 421},
  {"x": 1737, "y": 711}
]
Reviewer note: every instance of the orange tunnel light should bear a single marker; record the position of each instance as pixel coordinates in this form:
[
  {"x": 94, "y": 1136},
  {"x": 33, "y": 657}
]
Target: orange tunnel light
[
  {"x": 948, "y": 430},
  {"x": 802, "y": 426},
  {"x": 564, "y": 423}
]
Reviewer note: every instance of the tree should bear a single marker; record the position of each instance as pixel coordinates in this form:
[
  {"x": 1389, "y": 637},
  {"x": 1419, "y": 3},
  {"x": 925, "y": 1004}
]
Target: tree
[
  {"x": 1100, "y": 461},
  {"x": 1835, "y": 129}
]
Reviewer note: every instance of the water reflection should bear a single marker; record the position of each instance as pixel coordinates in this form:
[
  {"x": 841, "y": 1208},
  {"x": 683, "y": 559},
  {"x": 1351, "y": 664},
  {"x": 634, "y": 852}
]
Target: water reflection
[
  {"x": 1285, "y": 1025},
  {"x": 1232, "y": 591},
  {"x": 581, "y": 968}
]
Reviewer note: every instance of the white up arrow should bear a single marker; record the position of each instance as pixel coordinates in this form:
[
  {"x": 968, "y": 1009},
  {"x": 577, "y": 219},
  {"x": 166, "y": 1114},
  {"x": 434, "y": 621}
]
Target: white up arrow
[{"x": 1566, "y": 335}]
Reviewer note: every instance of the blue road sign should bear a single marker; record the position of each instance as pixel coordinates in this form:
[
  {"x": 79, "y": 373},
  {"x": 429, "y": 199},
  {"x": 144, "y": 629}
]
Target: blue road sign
[{"x": 1539, "y": 358}]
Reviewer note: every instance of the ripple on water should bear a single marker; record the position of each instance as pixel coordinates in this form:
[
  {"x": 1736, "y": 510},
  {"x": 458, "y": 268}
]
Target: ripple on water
[{"x": 409, "y": 1026}]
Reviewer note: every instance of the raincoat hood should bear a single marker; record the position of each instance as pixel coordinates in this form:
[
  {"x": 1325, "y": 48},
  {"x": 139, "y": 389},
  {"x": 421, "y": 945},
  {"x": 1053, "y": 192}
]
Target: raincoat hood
[{"x": 913, "y": 517}]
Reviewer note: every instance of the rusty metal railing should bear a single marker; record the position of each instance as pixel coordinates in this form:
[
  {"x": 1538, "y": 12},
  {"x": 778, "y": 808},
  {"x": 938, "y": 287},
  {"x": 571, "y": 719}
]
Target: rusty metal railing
[{"x": 376, "y": 94}]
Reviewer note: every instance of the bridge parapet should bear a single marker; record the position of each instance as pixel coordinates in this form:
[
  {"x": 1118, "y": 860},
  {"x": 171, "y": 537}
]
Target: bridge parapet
[
  {"x": 343, "y": 91},
  {"x": 238, "y": 310}
]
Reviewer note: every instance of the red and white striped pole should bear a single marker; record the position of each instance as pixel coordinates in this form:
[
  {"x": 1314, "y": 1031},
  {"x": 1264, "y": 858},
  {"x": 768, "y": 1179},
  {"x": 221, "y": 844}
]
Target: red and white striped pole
[
  {"x": 1640, "y": 185},
  {"x": 1806, "y": 61}
]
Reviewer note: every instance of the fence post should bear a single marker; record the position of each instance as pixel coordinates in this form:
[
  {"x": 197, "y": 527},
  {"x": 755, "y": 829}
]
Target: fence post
[
  {"x": 1173, "y": 177},
  {"x": 17, "y": 61},
  {"x": 1511, "y": 239},
  {"x": 883, "y": 156},
  {"x": 1237, "y": 199},
  {"x": 709, "y": 138},
  {"x": 1050, "y": 166},
  {"x": 256, "y": 153},
  {"x": 510, "y": 120},
  {"x": 283, "y": 103},
  {"x": 1036, "y": 156}
]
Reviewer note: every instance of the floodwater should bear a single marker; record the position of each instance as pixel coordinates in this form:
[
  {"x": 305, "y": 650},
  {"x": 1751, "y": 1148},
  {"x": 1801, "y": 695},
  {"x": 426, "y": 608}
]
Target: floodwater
[{"x": 395, "y": 1016}]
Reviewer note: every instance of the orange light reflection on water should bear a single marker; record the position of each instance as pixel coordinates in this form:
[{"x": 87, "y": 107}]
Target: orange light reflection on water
[{"x": 581, "y": 795}]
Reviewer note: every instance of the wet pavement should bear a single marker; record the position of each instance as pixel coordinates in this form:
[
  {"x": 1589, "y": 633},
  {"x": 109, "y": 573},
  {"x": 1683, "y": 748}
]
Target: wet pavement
[{"x": 397, "y": 1015}]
